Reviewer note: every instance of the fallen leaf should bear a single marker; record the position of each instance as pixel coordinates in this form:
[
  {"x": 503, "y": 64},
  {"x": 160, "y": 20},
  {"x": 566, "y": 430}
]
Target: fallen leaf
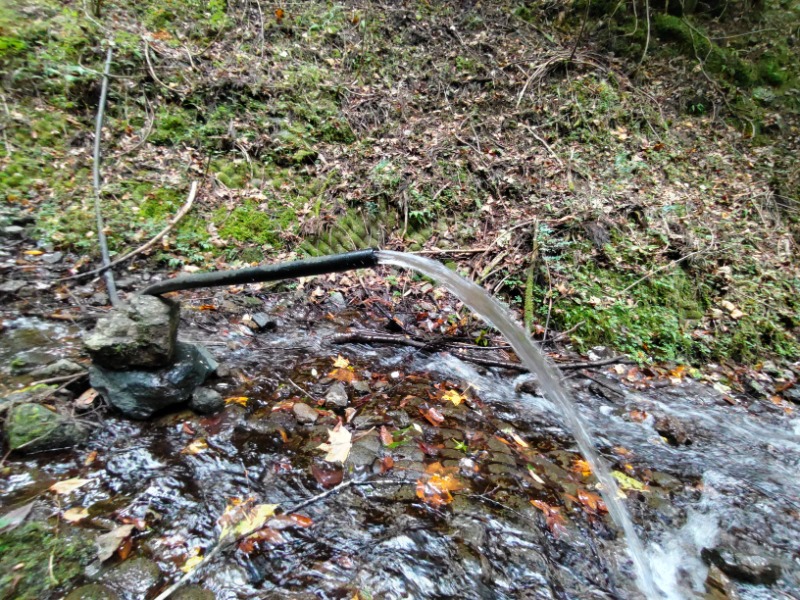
[
  {"x": 33, "y": 252},
  {"x": 195, "y": 558},
  {"x": 591, "y": 501},
  {"x": 338, "y": 444},
  {"x": 556, "y": 522},
  {"x": 240, "y": 400},
  {"x": 108, "y": 543},
  {"x": 435, "y": 485},
  {"x": 90, "y": 458},
  {"x": 326, "y": 475},
  {"x": 454, "y": 397},
  {"x": 581, "y": 466},
  {"x": 86, "y": 399},
  {"x": 14, "y": 518},
  {"x": 68, "y": 485},
  {"x": 73, "y": 515},
  {"x": 433, "y": 416},
  {"x": 340, "y": 362},
  {"x": 240, "y": 519},
  {"x": 520, "y": 442},
  {"x": 626, "y": 482},
  {"x": 386, "y": 436},
  {"x": 534, "y": 475},
  {"x": 195, "y": 447}
]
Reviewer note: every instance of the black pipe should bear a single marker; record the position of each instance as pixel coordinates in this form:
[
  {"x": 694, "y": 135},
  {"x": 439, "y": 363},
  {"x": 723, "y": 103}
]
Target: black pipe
[{"x": 336, "y": 263}]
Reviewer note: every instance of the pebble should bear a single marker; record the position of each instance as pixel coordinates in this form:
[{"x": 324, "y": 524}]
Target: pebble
[{"x": 304, "y": 413}]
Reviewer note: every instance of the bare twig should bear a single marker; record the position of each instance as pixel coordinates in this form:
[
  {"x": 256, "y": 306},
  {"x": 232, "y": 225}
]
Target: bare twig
[
  {"x": 145, "y": 247},
  {"x": 669, "y": 265},
  {"x": 101, "y": 234}
]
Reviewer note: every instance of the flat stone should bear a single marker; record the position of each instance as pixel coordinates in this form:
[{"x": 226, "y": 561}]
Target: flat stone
[
  {"x": 92, "y": 591},
  {"x": 12, "y": 286},
  {"x": 13, "y": 230},
  {"x": 304, "y": 413},
  {"x": 134, "y": 577},
  {"x": 53, "y": 258},
  {"x": 141, "y": 333},
  {"x": 31, "y": 427},
  {"x": 62, "y": 366},
  {"x": 139, "y": 394},
  {"x": 749, "y": 568},
  {"x": 206, "y": 401},
  {"x": 337, "y": 395}
]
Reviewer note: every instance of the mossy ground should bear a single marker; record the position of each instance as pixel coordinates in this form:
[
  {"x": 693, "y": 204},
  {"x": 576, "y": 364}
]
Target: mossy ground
[
  {"x": 330, "y": 126},
  {"x": 26, "y": 556}
]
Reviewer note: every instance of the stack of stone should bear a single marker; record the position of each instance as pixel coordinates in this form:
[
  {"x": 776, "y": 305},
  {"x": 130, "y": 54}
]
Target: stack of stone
[{"x": 141, "y": 368}]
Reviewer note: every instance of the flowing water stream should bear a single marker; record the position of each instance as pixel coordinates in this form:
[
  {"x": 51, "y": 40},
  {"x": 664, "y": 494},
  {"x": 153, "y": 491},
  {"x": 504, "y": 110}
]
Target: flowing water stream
[{"x": 483, "y": 304}]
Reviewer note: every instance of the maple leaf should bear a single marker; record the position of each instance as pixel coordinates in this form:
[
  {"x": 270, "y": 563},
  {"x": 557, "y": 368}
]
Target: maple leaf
[
  {"x": 338, "y": 444},
  {"x": 626, "y": 482},
  {"x": 245, "y": 517},
  {"x": 556, "y": 522},
  {"x": 435, "y": 485},
  {"x": 343, "y": 371},
  {"x": 581, "y": 466},
  {"x": 454, "y": 397}
]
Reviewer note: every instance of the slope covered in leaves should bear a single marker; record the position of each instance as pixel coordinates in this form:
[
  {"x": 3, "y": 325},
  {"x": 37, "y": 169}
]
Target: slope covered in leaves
[{"x": 593, "y": 196}]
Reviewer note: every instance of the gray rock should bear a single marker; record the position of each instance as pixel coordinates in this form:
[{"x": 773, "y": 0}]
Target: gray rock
[
  {"x": 718, "y": 586},
  {"x": 263, "y": 322},
  {"x": 13, "y": 230},
  {"x": 92, "y": 591},
  {"x": 748, "y": 568},
  {"x": 53, "y": 258},
  {"x": 209, "y": 359},
  {"x": 134, "y": 577},
  {"x": 206, "y": 401},
  {"x": 12, "y": 286},
  {"x": 138, "y": 394},
  {"x": 141, "y": 333},
  {"x": 193, "y": 592},
  {"x": 337, "y": 395},
  {"x": 304, "y": 413},
  {"x": 337, "y": 299},
  {"x": 63, "y": 366},
  {"x": 98, "y": 299},
  {"x": 31, "y": 427}
]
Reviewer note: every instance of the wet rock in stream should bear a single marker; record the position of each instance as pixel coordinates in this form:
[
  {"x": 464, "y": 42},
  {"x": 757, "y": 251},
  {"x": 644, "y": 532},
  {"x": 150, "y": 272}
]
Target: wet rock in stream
[
  {"x": 206, "y": 401},
  {"x": 92, "y": 591},
  {"x": 139, "y": 394},
  {"x": 337, "y": 396},
  {"x": 742, "y": 565},
  {"x": 134, "y": 577},
  {"x": 32, "y": 427}
]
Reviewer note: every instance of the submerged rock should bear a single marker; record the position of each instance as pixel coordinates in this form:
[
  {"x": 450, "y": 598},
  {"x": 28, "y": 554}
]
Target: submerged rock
[
  {"x": 742, "y": 566},
  {"x": 31, "y": 427},
  {"x": 92, "y": 592},
  {"x": 206, "y": 401},
  {"x": 139, "y": 394},
  {"x": 63, "y": 366},
  {"x": 141, "y": 333},
  {"x": 134, "y": 577}
]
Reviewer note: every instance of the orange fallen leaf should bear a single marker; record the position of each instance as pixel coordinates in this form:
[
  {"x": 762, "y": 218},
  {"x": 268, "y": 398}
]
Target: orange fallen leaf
[
  {"x": 435, "y": 485},
  {"x": 33, "y": 252},
  {"x": 591, "y": 501},
  {"x": 433, "y": 416},
  {"x": 454, "y": 397},
  {"x": 90, "y": 458},
  {"x": 387, "y": 439},
  {"x": 279, "y": 14},
  {"x": 581, "y": 466},
  {"x": 195, "y": 447}
]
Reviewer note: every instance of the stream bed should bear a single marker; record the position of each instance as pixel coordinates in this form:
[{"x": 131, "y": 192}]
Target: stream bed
[{"x": 711, "y": 484}]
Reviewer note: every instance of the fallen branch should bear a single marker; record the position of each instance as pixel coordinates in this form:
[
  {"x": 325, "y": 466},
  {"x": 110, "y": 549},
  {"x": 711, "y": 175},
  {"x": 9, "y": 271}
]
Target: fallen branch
[
  {"x": 145, "y": 247},
  {"x": 101, "y": 234},
  {"x": 437, "y": 346},
  {"x": 223, "y": 546}
]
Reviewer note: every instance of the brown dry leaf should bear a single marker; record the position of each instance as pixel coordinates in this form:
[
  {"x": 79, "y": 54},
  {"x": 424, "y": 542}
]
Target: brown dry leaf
[
  {"x": 520, "y": 442},
  {"x": 86, "y": 399},
  {"x": 68, "y": 485},
  {"x": 386, "y": 436},
  {"x": 433, "y": 416},
  {"x": 592, "y": 501},
  {"x": 90, "y": 458},
  {"x": 108, "y": 543},
  {"x": 556, "y": 522},
  {"x": 638, "y": 416},
  {"x": 435, "y": 485},
  {"x": 73, "y": 515},
  {"x": 240, "y": 400},
  {"x": 338, "y": 444}
]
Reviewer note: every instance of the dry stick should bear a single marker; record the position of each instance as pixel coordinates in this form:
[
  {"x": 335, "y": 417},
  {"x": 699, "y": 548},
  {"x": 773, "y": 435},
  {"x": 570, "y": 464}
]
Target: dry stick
[
  {"x": 143, "y": 248},
  {"x": 661, "y": 268},
  {"x": 223, "y": 545},
  {"x": 401, "y": 340},
  {"x": 101, "y": 234}
]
